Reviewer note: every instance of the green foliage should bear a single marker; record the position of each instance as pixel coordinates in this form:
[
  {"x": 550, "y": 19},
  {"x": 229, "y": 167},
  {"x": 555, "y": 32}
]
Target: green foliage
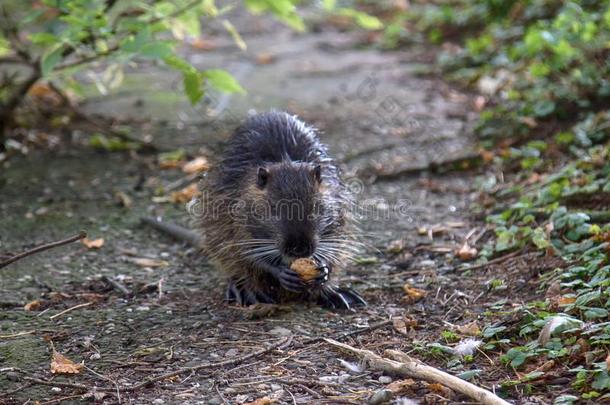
[
  {"x": 59, "y": 37},
  {"x": 544, "y": 67}
]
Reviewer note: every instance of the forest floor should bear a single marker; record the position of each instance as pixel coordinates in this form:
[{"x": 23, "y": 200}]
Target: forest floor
[{"x": 385, "y": 119}]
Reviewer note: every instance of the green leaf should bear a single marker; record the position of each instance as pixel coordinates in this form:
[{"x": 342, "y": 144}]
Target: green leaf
[
  {"x": 156, "y": 50},
  {"x": 50, "y": 60},
  {"x": 329, "y": 5},
  {"x": 44, "y": 38},
  {"x": 192, "y": 86},
  {"x": 364, "y": 20},
  {"x": 222, "y": 80},
  {"x": 594, "y": 313}
]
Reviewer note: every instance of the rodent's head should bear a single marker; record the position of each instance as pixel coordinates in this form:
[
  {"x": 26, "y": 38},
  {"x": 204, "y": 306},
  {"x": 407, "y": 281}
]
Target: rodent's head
[{"x": 288, "y": 208}]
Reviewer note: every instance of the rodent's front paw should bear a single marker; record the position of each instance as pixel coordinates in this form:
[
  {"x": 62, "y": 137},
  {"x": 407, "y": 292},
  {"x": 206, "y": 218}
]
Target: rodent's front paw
[
  {"x": 323, "y": 275},
  {"x": 290, "y": 280}
]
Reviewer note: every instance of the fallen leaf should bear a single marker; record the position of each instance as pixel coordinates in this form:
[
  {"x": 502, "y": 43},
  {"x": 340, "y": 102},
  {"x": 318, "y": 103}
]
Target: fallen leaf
[
  {"x": 93, "y": 244},
  {"x": 185, "y": 195},
  {"x": 402, "y": 325},
  {"x": 401, "y": 386},
  {"x": 469, "y": 329},
  {"x": 441, "y": 389},
  {"x": 123, "y": 199},
  {"x": 413, "y": 294},
  {"x": 396, "y": 246},
  {"x": 466, "y": 252},
  {"x": 529, "y": 121},
  {"x": 203, "y": 44},
  {"x": 146, "y": 262},
  {"x": 261, "y": 401},
  {"x": 60, "y": 364},
  {"x": 264, "y": 58},
  {"x": 199, "y": 164},
  {"x": 479, "y": 102},
  {"x": 566, "y": 300},
  {"x": 32, "y": 306}
]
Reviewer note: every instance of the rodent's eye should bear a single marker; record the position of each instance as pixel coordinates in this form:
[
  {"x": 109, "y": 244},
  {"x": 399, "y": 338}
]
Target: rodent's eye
[{"x": 263, "y": 176}]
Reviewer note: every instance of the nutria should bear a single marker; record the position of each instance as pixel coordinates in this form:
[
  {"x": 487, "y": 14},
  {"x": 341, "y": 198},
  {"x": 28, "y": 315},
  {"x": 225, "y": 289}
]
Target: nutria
[{"x": 276, "y": 196}]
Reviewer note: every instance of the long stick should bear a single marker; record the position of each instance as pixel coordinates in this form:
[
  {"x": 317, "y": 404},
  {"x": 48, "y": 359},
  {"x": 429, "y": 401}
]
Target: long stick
[
  {"x": 409, "y": 367},
  {"x": 40, "y": 248}
]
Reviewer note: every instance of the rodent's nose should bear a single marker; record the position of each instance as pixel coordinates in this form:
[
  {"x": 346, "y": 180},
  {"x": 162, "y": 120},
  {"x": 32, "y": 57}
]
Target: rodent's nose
[{"x": 298, "y": 246}]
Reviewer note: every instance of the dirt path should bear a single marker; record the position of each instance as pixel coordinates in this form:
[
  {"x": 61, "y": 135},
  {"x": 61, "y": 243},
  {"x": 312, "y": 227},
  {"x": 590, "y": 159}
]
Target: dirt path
[{"x": 377, "y": 114}]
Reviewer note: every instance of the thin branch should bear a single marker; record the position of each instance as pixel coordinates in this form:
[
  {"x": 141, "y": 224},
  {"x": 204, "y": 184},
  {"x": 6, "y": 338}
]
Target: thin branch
[
  {"x": 41, "y": 248},
  {"x": 409, "y": 367},
  {"x": 86, "y": 304}
]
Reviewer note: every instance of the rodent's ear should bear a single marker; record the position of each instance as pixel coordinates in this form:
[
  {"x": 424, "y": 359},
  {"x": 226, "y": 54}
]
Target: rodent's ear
[
  {"x": 317, "y": 173},
  {"x": 262, "y": 177}
]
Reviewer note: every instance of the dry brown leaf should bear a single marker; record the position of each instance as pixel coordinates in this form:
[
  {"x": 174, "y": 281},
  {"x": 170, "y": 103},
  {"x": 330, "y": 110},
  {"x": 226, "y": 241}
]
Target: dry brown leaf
[
  {"x": 123, "y": 199},
  {"x": 199, "y": 164},
  {"x": 396, "y": 246},
  {"x": 203, "y": 44},
  {"x": 529, "y": 121},
  {"x": 60, "y": 364},
  {"x": 466, "y": 252},
  {"x": 264, "y": 58},
  {"x": 261, "y": 401},
  {"x": 402, "y": 325},
  {"x": 486, "y": 155},
  {"x": 413, "y": 294},
  {"x": 32, "y": 306},
  {"x": 479, "y": 103},
  {"x": 146, "y": 262},
  {"x": 469, "y": 329},
  {"x": 441, "y": 389},
  {"x": 185, "y": 195},
  {"x": 566, "y": 300},
  {"x": 93, "y": 244},
  {"x": 401, "y": 386}
]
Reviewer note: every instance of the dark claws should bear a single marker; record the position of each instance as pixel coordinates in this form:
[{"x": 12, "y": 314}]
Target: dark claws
[
  {"x": 323, "y": 277},
  {"x": 340, "y": 298},
  {"x": 242, "y": 296}
]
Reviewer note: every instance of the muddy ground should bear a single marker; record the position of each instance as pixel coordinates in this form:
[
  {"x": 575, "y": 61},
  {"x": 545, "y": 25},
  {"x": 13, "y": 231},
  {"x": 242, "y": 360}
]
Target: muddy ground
[{"x": 379, "y": 112}]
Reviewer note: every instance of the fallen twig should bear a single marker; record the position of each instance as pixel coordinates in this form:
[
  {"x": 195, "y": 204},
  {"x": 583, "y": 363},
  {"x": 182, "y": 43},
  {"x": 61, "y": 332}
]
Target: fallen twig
[
  {"x": 86, "y": 304},
  {"x": 409, "y": 367},
  {"x": 41, "y": 248},
  {"x": 350, "y": 333},
  {"x": 494, "y": 261},
  {"x": 14, "y": 335},
  {"x": 279, "y": 345},
  {"x": 117, "y": 285}
]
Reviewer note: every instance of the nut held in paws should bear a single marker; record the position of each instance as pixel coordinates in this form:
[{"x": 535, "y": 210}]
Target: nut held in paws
[{"x": 306, "y": 268}]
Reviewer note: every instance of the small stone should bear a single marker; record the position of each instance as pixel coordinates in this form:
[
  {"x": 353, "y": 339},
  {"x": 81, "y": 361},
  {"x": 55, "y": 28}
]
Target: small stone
[
  {"x": 214, "y": 401},
  {"x": 276, "y": 387},
  {"x": 56, "y": 389},
  {"x": 384, "y": 379},
  {"x": 13, "y": 376},
  {"x": 230, "y": 390},
  {"x": 158, "y": 401},
  {"x": 380, "y": 397},
  {"x": 95, "y": 356},
  {"x": 279, "y": 331},
  {"x": 231, "y": 353}
]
